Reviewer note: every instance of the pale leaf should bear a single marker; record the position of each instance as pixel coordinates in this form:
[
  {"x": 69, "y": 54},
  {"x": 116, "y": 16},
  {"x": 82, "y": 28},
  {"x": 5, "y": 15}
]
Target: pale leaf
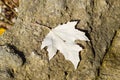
[{"x": 62, "y": 38}]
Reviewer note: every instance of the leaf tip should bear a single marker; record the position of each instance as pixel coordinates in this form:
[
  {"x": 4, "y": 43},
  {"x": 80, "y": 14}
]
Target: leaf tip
[
  {"x": 43, "y": 45},
  {"x": 74, "y": 22}
]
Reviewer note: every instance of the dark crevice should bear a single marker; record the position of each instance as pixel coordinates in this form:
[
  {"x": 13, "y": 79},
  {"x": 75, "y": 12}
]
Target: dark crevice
[
  {"x": 89, "y": 37},
  {"x": 109, "y": 4},
  {"x": 108, "y": 47},
  {"x": 98, "y": 73},
  {"x": 91, "y": 25},
  {"x": 39, "y": 23},
  {"x": 98, "y": 70},
  {"x": 49, "y": 76},
  {"x": 66, "y": 73},
  {"x": 80, "y": 45},
  {"x": 93, "y": 50},
  {"x": 11, "y": 73},
  {"x": 80, "y": 56},
  {"x": 19, "y": 53}
]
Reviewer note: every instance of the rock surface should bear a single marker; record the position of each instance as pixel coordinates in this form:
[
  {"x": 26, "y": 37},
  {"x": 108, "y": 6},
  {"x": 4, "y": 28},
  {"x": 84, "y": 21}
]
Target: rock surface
[
  {"x": 26, "y": 61},
  {"x": 110, "y": 69}
]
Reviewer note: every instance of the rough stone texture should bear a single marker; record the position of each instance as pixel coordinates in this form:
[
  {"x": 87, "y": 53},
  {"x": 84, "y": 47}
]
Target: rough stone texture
[
  {"x": 110, "y": 69},
  {"x": 9, "y": 62},
  {"x": 98, "y": 18}
]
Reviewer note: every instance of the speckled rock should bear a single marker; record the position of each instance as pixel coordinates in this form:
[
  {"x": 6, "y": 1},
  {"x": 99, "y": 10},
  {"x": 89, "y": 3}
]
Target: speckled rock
[
  {"x": 9, "y": 62},
  {"x": 110, "y": 69}
]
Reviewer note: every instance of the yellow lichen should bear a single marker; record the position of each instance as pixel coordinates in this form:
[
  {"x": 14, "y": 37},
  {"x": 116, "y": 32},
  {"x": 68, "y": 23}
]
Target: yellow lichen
[{"x": 2, "y": 30}]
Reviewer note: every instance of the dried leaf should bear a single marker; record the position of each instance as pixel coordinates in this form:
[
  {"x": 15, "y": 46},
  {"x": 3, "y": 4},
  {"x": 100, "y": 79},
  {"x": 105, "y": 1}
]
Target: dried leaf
[{"x": 62, "y": 38}]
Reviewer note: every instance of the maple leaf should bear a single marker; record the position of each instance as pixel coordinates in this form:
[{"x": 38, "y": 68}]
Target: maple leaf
[{"x": 63, "y": 38}]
